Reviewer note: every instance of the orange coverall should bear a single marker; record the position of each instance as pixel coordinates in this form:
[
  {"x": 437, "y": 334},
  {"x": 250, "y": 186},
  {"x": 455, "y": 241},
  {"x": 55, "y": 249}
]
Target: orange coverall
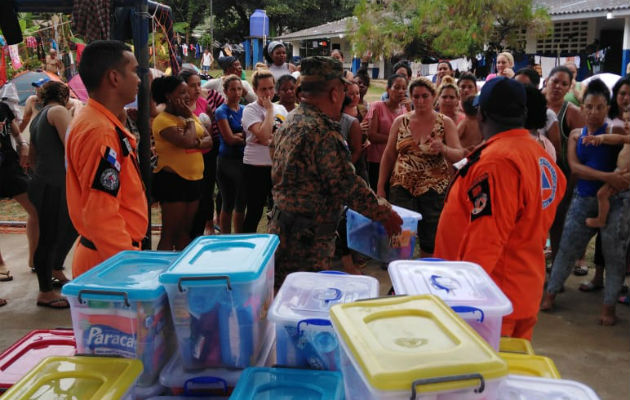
[
  {"x": 497, "y": 214},
  {"x": 105, "y": 193}
]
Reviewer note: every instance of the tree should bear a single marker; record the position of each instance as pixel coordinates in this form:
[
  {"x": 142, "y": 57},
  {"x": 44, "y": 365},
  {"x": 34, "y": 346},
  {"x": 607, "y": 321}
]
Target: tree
[{"x": 447, "y": 28}]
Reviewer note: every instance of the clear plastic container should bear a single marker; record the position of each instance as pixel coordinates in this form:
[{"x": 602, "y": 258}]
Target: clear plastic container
[
  {"x": 413, "y": 347},
  {"x": 84, "y": 378},
  {"x": 464, "y": 286},
  {"x": 219, "y": 290},
  {"x": 280, "y": 383},
  {"x": 304, "y": 334},
  {"x": 211, "y": 382},
  {"x": 146, "y": 392},
  {"x": 120, "y": 308},
  {"x": 369, "y": 237},
  {"x": 516, "y": 387},
  {"x": 26, "y": 353}
]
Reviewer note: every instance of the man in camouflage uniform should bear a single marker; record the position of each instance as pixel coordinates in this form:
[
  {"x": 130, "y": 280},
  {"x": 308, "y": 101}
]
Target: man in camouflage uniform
[{"x": 313, "y": 177}]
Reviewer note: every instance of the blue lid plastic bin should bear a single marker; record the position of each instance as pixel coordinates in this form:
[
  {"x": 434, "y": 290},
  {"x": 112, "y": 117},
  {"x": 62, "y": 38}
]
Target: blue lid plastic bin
[
  {"x": 219, "y": 290},
  {"x": 369, "y": 237},
  {"x": 464, "y": 286},
  {"x": 304, "y": 334},
  {"x": 280, "y": 383},
  {"x": 120, "y": 308}
]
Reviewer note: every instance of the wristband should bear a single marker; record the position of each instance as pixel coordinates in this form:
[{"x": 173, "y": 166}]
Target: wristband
[{"x": 190, "y": 120}]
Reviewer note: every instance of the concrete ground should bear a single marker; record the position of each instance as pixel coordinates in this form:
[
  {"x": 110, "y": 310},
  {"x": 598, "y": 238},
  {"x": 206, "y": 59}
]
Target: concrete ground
[{"x": 582, "y": 350}]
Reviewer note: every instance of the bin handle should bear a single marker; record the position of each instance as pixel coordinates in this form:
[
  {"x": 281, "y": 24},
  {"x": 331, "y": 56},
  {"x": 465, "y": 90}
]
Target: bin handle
[
  {"x": 434, "y": 282},
  {"x": 104, "y": 292},
  {"x": 333, "y": 272},
  {"x": 431, "y": 259},
  {"x": 468, "y": 309},
  {"x": 312, "y": 321},
  {"x": 442, "y": 379},
  {"x": 204, "y": 380},
  {"x": 203, "y": 278},
  {"x": 336, "y": 296}
]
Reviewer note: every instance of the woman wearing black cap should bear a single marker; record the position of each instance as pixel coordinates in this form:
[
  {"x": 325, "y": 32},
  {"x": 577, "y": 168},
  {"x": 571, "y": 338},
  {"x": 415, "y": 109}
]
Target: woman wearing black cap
[{"x": 276, "y": 55}]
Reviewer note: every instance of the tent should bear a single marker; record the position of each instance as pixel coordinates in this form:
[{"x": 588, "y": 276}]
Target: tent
[
  {"x": 140, "y": 31},
  {"x": 23, "y": 83}
]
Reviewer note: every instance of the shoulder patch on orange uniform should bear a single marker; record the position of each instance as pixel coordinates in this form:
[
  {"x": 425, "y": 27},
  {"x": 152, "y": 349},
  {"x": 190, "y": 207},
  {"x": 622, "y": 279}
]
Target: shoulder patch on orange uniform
[{"x": 479, "y": 196}]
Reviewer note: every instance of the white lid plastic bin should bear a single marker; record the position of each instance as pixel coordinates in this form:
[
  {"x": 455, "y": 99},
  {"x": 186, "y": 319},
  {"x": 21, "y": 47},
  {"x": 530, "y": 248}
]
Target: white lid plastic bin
[
  {"x": 464, "y": 286},
  {"x": 402, "y": 347},
  {"x": 304, "y": 334},
  {"x": 516, "y": 387},
  {"x": 369, "y": 237},
  {"x": 295, "y": 384},
  {"x": 119, "y": 308},
  {"x": 210, "y": 383},
  {"x": 219, "y": 290}
]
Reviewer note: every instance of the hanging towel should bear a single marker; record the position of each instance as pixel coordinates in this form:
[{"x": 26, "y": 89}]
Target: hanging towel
[
  {"x": 53, "y": 44},
  {"x": 31, "y": 42},
  {"x": 15, "y": 56},
  {"x": 91, "y": 18},
  {"x": 3, "y": 69},
  {"x": 80, "y": 48}
]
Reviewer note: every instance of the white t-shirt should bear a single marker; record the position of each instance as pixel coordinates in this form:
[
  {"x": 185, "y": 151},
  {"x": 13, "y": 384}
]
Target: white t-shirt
[
  {"x": 207, "y": 59},
  {"x": 551, "y": 118},
  {"x": 256, "y": 153},
  {"x": 279, "y": 71}
]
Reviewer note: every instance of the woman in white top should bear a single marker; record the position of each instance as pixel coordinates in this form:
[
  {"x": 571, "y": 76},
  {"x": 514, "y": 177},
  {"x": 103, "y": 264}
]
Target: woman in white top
[
  {"x": 260, "y": 120},
  {"x": 276, "y": 55}
]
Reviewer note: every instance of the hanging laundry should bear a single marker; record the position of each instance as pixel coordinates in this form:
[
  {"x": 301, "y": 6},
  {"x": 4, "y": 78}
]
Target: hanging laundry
[
  {"x": 91, "y": 19},
  {"x": 31, "y": 42},
  {"x": 2, "y": 41},
  {"x": 41, "y": 53},
  {"x": 15, "y": 56},
  {"x": 185, "y": 50},
  {"x": 3, "y": 70},
  {"x": 80, "y": 48},
  {"x": 53, "y": 44},
  {"x": 197, "y": 51}
]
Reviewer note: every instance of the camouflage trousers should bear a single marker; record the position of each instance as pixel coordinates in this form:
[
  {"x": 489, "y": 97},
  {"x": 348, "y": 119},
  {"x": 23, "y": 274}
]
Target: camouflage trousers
[{"x": 296, "y": 253}]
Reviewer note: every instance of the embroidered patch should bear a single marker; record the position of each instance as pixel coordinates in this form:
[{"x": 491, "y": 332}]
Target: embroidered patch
[
  {"x": 107, "y": 178},
  {"x": 548, "y": 182},
  {"x": 479, "y": 195}
]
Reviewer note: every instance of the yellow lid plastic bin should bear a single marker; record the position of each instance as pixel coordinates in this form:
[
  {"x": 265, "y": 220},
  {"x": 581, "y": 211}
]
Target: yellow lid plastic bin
[
  {"x": 414, "y": 347},
  {"x": 464, "y": 286},
  {"x": 369, "y": 237},
  {"x": 300, "y": 311},
  {"x": 516, "y": 387},
  {"x": 74, "y": 378},
  {"x": 531, "y": 365},
  {"x": 516, "y": 345},
  {"x": 220, "y": 290},
  {"x": 120, "y": 308}
]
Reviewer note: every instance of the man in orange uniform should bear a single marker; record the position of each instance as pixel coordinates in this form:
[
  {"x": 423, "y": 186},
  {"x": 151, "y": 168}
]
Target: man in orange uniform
[
  {"x": 501, "y": 204},
  {"x": 105, "y": 193}
]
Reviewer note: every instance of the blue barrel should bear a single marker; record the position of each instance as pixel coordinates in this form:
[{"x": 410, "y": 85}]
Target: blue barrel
[{"x": 259, "y": 24}]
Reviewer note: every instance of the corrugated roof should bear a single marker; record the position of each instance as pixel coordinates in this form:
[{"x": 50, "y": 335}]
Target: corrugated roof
[
  {"x": 562, "y": 7},
  {"x": 334, "y": 28}
]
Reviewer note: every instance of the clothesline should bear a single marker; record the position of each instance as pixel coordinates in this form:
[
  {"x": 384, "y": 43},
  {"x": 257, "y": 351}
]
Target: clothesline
[{"x": 48, "y": 27}]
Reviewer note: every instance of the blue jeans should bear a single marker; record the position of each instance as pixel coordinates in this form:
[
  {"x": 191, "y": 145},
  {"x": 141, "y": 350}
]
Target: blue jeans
[{"x": 576, "y": 235}]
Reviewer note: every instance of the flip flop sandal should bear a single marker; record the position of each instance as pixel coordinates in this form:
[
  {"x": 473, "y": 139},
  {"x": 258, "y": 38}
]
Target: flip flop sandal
[
  {"x": 589, "y": 287},
  {"x": 5, "y": 276},
  {"x": 580, "y": 270},
  {"x": 51, "y": 304}
]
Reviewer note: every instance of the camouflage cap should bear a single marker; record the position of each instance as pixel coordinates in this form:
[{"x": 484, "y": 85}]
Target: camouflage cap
[{"x": 319, "y": 68}]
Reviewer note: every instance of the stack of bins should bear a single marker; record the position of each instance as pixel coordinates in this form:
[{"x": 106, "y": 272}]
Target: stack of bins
[
  {"x": 81, "y": 378},
  {"x": 413, "y": 347},
  {"x": 300, "y": 311},
  {"x": 464, "y": 286},
  {"x": 294, "y": 384},
  {"x": 25, "y": 354},
  {"x": 219, "y": 290},
  {"x": 119, "y": 308},
  {"x": 369, "y": 237},
  {"x": 530, "y": 365}
]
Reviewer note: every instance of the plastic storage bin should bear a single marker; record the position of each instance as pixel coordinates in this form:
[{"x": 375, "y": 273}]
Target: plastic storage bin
[
  {"x": 369, "y": 237},
  {"x": 22, "y": 356},
  {"x": 85, "y": 378},
  {"x": 211, "y": 382},
  {"x": 281, "y": 383},
  {"x": 464, "y": 286},
  {"x": 146, "y": 392},
  {"x": 407, "y": 346},
  {"x": 515, "y": 345},
  {"x": 530, "y": 365},
  {"x": 119, "y": 308},
  {"x": 220, "y": 290},
  {"x": 304, "y": 334},
  {"x": 529, "y": 388}
]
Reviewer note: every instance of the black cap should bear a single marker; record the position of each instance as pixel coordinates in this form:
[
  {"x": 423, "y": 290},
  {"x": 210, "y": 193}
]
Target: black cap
[{"x": 502, "y": 97}]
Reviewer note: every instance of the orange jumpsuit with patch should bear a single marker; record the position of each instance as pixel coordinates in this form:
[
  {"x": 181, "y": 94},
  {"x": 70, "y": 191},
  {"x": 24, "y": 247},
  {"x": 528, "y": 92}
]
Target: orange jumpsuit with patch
[
  {"x": 106, "y": 198},
  {"x": 497, "y": 214}
]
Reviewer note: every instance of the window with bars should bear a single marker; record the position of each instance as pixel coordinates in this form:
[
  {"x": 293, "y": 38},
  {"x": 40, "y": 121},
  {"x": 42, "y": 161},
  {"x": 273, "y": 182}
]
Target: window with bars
[{"x": 568, "y": 37}]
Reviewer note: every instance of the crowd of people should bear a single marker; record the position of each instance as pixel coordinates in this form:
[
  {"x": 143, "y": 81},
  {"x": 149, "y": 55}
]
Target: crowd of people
[{"x": 436, "y": 146}]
